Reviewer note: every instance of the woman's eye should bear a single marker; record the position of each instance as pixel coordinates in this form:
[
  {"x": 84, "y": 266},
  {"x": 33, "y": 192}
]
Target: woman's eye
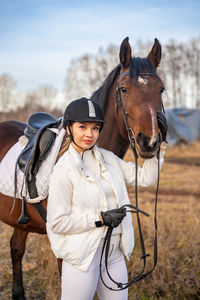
[
  {"x": 82, "y": 127},
  {"x": 96, "y": 128}
]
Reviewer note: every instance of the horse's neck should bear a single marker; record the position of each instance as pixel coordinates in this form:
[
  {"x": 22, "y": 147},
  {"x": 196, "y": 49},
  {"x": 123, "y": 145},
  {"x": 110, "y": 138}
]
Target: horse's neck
[
  {"x": 113, "y": 142},
  {"x": 111, "y": 139}
]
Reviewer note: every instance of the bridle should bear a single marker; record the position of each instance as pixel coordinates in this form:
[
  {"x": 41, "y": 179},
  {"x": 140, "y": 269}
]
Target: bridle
[{"x": 132, "y": 209}]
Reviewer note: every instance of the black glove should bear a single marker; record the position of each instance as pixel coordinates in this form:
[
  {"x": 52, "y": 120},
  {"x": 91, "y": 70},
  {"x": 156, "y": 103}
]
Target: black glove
[
  {"x": 113, "y": 217},
  {"x": 162, "y": 124}
]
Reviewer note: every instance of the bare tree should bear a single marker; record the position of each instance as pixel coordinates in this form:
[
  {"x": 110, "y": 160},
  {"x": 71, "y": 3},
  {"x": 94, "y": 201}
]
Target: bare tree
[
  {"x": 46, "y": 95},
  {"x": 40, "y": 99},
  {"x": 87, "y": 73},
  {"x": 7, "y": 92},
  {"x": 194, "y": 59}
]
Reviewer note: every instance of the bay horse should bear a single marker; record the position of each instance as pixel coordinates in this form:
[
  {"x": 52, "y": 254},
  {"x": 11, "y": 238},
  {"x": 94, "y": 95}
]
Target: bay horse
[{"x": 140, "y": 89}]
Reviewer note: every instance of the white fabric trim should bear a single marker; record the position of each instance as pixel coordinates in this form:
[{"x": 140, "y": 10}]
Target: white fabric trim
[
  {"x": 91, "y": 109},
  {"x": 55, "y": 130},
  {"x": 23, "y": 140},
  {"x": 35, "y": 200}
]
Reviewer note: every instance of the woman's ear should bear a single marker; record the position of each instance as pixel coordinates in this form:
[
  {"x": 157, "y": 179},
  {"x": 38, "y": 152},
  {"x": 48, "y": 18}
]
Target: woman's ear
[{"x": 67, "y": 129}]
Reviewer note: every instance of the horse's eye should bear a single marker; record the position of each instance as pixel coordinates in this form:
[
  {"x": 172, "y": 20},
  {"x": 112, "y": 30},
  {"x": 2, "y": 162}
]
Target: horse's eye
[
  {"x": 127, "y": 115},
  {"x": 162, "y": 90},
  {"x": 123, "y": 90}
]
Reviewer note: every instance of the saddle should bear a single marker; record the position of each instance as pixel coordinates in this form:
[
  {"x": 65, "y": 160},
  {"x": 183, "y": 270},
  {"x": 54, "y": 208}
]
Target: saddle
[{"x": 41, "y": 132}]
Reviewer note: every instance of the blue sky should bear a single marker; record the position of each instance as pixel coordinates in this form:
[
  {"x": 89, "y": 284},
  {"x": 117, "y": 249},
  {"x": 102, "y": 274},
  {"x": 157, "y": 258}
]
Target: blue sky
[{"x": 39, "y": 38}]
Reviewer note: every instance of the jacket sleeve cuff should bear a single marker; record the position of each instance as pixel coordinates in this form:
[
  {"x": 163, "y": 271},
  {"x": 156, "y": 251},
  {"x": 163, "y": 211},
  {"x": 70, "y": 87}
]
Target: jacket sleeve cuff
[{"x": 94, "y": 220}]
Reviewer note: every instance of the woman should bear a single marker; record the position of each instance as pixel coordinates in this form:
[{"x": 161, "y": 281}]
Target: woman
[{"x": 86, "y": 189}]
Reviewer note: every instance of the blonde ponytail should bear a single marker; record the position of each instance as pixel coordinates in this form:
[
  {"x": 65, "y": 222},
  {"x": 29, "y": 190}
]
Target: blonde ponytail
[{"x": 64, "y": 147}]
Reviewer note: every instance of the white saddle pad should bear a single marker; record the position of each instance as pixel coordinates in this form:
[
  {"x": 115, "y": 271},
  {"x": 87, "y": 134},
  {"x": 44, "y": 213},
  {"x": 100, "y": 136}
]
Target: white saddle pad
[{"x": 7, "y": 170}]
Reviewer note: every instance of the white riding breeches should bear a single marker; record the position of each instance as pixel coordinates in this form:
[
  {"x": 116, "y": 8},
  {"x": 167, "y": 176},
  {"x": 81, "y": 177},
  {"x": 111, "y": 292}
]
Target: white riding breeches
[{"x": 78, "y": 285}]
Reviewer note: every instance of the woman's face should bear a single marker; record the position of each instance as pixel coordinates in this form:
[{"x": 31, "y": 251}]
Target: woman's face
[{"x": 85, "y": 134}]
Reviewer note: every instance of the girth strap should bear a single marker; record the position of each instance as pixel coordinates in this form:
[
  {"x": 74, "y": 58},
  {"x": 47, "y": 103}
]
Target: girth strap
[
  {"x": 23, "y": 219},
  {"x": 34, "y": 194}
]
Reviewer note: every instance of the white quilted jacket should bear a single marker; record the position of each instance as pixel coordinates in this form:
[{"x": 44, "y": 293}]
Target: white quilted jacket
[{"x": 76, "y": 200}]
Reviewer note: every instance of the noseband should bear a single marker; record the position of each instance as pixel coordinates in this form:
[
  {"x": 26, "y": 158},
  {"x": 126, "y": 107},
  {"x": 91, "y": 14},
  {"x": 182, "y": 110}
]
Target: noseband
[{"x": 134, "y": 209}]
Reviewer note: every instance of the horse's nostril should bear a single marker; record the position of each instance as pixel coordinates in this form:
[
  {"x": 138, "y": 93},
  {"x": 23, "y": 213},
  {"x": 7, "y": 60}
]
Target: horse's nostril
[
  {"x": 139, "y": 135},
  {"x": 146, "y": 143},
  {"x": 141, "y": 139}
]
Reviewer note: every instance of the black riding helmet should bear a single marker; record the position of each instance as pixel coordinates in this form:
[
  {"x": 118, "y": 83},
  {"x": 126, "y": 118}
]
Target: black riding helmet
[{"x": 83, "y": 110}]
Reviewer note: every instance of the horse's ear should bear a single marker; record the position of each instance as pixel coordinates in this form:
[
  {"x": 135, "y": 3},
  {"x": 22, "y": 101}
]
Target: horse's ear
[
  {"x": 155, "y": 54},
  {"x": 125, "y": 53}
]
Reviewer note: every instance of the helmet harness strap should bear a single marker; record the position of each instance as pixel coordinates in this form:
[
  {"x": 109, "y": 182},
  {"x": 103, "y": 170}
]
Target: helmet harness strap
[{"x": 71, "y": 136}]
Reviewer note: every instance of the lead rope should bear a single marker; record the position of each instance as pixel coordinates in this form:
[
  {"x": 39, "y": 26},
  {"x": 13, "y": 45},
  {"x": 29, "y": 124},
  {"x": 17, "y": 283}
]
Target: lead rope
[{"x": 106, "y": 245}]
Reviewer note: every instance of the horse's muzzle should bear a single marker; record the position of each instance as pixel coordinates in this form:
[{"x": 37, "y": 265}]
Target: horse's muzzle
[{"x": 147, "y": 146}]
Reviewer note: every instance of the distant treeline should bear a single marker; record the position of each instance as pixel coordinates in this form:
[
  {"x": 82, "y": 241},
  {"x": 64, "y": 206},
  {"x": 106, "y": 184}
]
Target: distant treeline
[{"x": 179, "y": 69}]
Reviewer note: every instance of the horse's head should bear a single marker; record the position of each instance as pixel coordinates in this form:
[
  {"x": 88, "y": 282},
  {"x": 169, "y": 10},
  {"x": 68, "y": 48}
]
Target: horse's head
[{"x": 140, "y": 90}]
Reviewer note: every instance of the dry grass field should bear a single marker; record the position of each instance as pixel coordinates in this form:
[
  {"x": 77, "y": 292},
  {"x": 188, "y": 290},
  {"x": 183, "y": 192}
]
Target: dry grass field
[{"x": 177, "y": 274}]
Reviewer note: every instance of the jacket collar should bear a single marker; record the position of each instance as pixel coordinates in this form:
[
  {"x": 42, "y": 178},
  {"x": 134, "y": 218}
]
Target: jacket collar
[{"x": 79, "y": 163}]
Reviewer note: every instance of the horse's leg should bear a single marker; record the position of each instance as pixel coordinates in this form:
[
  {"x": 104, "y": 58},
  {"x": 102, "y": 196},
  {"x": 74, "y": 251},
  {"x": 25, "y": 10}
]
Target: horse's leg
[
  {"x": 59, "y": 262},
  {"x": 17, "y": 246}
]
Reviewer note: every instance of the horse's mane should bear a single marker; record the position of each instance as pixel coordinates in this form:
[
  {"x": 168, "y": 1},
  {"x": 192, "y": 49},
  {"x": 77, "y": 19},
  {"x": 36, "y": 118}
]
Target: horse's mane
[
  {"x": 138, "y": 67},
  {"x": 141, "y": 67},
  {"x": 102, "y": 94}
]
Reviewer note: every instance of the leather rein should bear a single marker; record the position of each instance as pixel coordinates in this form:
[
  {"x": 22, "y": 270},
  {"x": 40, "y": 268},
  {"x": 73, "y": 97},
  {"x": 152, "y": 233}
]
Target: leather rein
[{"x": 132, "y": 209}]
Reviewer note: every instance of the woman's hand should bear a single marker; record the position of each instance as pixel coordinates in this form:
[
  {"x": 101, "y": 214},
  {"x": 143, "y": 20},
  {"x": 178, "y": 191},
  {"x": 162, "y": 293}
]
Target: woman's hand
[
  {"x": 113, "y": 217},
  {"x": 162, "y": 147}
]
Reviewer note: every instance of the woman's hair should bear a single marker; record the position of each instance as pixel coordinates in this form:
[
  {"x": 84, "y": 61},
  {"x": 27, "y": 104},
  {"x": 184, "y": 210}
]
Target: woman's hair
[
  {"x": 65, "y": 144},
  {"x": 64, "y": 147}
]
